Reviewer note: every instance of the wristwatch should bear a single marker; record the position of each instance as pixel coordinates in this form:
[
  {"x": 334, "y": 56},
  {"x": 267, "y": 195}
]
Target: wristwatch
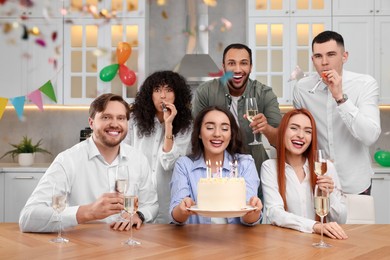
[
  {"x": 141, "y": 216},
  {"x": 342, "y": 100}
]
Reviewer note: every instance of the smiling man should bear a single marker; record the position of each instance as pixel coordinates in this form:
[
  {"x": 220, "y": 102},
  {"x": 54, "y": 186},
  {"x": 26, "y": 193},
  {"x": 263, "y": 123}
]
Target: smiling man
[
  {"x": 237, "y": 59},
  {"x": 86, "y": 173},
  {"x": 345, "y": 107}
]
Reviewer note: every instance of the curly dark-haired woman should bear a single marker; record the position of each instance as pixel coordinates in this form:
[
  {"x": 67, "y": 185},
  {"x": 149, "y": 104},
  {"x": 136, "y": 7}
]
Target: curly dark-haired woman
[{"x": 160, "y": 126}]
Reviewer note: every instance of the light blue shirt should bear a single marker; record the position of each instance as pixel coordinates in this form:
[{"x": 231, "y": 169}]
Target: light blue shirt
[{"x": 187, "y": 173}]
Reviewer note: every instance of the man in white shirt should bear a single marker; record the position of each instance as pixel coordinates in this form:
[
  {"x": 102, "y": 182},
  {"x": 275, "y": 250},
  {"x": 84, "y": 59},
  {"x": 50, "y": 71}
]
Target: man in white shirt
[
  {"x": 86, "y": 172},
  {"x": 345, "y": 107}
]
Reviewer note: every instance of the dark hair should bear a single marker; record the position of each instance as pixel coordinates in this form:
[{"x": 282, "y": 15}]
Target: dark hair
[
  {"x": 235, "y": 144},
  {"x": 326, "y": 36},
  {"x": 100, "y": 104},
  {"x": 281, "y": 150},
  {"x": 143, "y": 108},
  {"x": 237, "y": 46}
]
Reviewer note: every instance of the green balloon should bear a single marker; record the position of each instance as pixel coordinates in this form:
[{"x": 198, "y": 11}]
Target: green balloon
[
  {"x": 382, "y": 158},
  {"x": 109, "y": 72}
]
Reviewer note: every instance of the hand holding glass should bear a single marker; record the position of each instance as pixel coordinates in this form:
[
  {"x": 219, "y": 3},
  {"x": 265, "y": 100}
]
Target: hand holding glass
[
  {"x": 251, "y": 111},
  {"x": 59, "y": 204},
  {"x": 322, "y": 205},
  {"x": 131, "y": 207}
]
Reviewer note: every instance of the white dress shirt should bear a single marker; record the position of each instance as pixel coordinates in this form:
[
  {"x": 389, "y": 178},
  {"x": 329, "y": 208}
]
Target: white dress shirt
[
  {"x": 85, "y": 175},
  {"x": 346, "y": 131},
  {"x": 300, "y": 199},
  {"x": 161, "y": 163}
]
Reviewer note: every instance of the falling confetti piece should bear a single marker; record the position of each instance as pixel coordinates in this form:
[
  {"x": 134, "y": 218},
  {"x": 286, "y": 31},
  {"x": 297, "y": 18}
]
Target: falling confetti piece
[
  {"x": 224, "y": 79},
  {"x": 164, "y": 14},
  {"x": 7, "y": 28},
  {"x": 98, "y": 52},
  {"x": 297, "y": 74},
  {"x": 212, "y": 3},
  {"x": 25, "y": 33},
  {"x": 2, "y": 1},
  {"x": 53, "y": 36},
  {"x": 26, "y": 3},
  {"x": 40, "y": 42},
  {"x": 216, "y": 74},
  {"x": 34, "y": 31},
  {"x": 226, "y": 23}
]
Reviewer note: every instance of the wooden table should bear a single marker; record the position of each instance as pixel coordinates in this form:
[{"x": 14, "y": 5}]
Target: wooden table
[{"x": 97, "y": 241}]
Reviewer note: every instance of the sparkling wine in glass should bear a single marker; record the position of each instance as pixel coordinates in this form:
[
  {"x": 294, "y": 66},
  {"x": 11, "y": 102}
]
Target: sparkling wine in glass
[
  {"x": 131, "y": 207},
  {"x": 321, "y": 205},
  {"x": 58, "y": 203},
  {"x": 320, "y": 166},
  {"x": 251, "y": 111},
  {"x": 121, "y": 183}
]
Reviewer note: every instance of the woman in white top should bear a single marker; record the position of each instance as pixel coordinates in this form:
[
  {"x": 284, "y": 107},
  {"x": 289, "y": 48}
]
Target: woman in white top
[
  {"x": 288, "y": 182},
  {"x": 160, "y": 126}
]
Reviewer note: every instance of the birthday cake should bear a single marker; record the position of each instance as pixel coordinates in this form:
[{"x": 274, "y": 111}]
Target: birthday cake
[{"x": 221, "y": 194}]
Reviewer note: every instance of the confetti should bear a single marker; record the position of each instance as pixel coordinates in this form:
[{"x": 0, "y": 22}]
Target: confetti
[
  {"x": 40, "y": 42},
  {"x": 297, "y": 74},
  {"x": 216, "y": 74},
  {"x": 164, "y": 15},
  {"x": 53, "y": 36},
  {"x": 224, "y": 79}
]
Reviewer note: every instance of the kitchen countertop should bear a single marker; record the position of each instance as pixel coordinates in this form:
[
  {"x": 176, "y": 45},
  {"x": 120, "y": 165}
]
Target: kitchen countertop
[{"x": 14, "y": 167}]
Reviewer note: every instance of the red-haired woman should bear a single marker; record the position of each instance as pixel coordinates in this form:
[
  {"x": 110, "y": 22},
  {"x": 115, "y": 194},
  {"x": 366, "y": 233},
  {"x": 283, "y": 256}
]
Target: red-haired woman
[{"x": 288, "y": 182}]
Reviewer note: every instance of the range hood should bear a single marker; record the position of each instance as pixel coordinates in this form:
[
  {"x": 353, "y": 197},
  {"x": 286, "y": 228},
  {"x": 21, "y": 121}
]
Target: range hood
[{"x": 196, "y": 66}]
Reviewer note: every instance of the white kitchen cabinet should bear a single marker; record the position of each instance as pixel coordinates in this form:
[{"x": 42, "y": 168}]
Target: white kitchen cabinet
[
  {"x": 280, "y": 35},
  {"x": 39, "y": 9},
  {"x": 18, "y": 187},
  {"x": 381, "y": 193},
  {"x": 367, "y": 39},
  {"x": 90, "y": 45},
  {"x": 26, "y": 65}
]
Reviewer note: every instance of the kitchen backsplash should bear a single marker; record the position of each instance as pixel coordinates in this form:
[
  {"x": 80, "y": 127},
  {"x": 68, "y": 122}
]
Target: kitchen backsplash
[{"x": 60, "y": 129}]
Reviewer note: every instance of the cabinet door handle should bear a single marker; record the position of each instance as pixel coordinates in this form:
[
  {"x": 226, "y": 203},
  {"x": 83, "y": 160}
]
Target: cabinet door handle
[{"x": 24, "y": 178}]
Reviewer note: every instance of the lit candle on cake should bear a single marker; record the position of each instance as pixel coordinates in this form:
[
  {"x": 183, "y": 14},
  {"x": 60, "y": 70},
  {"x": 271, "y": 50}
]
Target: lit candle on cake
[
  {"x": 235, "y": 169},
  {"x": 208, "y": 169}
]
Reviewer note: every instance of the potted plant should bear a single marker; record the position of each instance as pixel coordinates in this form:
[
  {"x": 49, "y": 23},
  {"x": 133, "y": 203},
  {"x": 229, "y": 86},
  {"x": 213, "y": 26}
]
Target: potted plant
[{"x": 25, "y": 151}]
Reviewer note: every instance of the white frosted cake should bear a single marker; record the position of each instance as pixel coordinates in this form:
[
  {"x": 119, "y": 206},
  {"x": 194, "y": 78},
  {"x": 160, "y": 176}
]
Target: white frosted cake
[{"x": 221, "y": 194}]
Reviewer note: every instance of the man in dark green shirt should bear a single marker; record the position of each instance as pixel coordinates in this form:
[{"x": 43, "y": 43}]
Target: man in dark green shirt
[{"x": 237, "y": 59}]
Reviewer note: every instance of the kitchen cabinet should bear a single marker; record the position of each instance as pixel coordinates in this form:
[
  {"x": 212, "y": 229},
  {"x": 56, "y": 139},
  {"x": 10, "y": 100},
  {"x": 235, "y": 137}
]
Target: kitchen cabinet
[
  {"x": 369, "y": 51},
  {"x": 91, "y": 44},
  {"x": 381, "y": 193},
  {"x": 16, "y": 185},
  {"x": 280, "y": 35}
]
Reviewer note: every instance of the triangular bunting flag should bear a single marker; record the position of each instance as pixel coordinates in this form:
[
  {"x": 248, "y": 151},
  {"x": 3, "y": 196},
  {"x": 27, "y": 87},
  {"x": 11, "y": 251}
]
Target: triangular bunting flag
[
  {"x": 36, "y": 98},
  {"x": 3, "y": 103},
  {"x": 18, "y": 103},
  {"x": 48, "y": 90}
]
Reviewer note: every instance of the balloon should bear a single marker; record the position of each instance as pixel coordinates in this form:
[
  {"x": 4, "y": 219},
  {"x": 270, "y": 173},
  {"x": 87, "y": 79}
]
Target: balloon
[
  {"x": 126, "y": 75},
  {"x": 123, "y": 52},
  {"x": 382, "y": 158},
  {"x": 109, "y": 72}
]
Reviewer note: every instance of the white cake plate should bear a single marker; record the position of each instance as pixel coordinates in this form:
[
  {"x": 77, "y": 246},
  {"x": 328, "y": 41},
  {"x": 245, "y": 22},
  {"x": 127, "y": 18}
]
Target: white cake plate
[{"x": 222, "y": 213}]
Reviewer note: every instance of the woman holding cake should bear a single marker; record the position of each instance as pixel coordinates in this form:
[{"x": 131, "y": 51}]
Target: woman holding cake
[
  {"x": 288, "y": 182},
  {"x": 216, "y": 151}
]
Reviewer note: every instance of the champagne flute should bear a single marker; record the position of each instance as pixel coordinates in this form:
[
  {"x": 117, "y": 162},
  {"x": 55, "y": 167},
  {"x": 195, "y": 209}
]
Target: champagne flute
[
  {"x": 322, "y": 205},
  {"x": 131, "y": 207},
  {"x": 320, "y": 165},
  {"x": 251, "y": 111},
  {"x": 121, "y": 183},
  {"x": 59, "y": 204}
]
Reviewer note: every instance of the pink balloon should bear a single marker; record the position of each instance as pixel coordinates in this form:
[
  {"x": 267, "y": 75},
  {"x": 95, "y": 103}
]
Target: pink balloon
[{"x": 126, "y": 75}]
